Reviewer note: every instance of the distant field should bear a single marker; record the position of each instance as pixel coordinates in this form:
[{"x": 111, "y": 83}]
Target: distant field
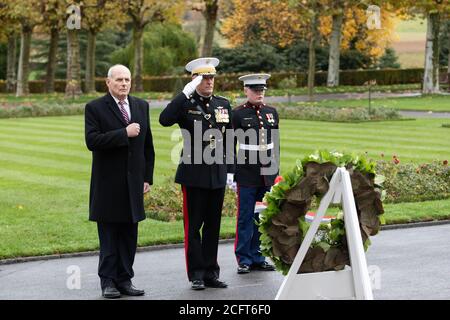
[
  {"x": 412, "y": 26},
  {"x": 410, "y": 43},
  {"x": 411, "y": 59}
]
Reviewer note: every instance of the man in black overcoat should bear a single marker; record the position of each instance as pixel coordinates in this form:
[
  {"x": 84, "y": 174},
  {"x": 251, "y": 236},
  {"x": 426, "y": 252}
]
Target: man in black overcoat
[{"x": 118, "y": 133}]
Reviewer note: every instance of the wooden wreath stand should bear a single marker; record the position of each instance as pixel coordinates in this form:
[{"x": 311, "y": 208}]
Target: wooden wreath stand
[{"x": 352, "y": 282}]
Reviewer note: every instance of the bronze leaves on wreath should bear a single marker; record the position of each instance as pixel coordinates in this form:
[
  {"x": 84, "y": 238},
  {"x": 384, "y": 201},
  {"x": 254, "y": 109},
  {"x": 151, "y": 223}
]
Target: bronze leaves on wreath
[{"x": 286, "y": 234}]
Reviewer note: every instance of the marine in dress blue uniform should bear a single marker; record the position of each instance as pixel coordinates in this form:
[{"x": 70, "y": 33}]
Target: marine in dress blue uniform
[
  {"x": 256, "y": 168},
  {"x": 197, "y": 111}
]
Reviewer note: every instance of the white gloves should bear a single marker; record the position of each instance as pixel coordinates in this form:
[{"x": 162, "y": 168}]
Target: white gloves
[
  {"x": 230, "y": 182},
  {"x": 191, "y": 86}
]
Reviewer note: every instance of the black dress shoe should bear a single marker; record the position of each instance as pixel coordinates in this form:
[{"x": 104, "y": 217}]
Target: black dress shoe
[
  {"x": 110, "y": 293},
  {"x": 215, "y": 283},
  {"x": 130, "y": 290},
  {"x": 265, "y": 266},
  {"x": 243, "y": 268},
  {"x": 198, "y": 285}
]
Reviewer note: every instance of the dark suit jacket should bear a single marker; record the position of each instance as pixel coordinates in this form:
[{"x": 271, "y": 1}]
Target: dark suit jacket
[
  {"x": 120, "y": 165},
  {"x": 183, "y": 111}
]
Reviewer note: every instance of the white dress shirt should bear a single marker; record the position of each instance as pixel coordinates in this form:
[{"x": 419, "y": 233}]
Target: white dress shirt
[{"x": 126, "y": 105}]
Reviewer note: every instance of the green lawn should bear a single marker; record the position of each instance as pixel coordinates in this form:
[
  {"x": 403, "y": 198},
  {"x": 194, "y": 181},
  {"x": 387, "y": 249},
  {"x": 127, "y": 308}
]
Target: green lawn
[
  {"x": 411, "y": 59},
  {"x": 437, "y": 103},
  {"x": 45, "y": 169}
]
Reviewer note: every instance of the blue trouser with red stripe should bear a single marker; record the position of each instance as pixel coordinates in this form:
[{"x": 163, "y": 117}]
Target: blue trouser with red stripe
[{"x": 247, "y": 242}]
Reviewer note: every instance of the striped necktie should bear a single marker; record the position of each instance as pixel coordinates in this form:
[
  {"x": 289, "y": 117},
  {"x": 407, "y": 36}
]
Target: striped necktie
[{"x": 123, "y": 111}]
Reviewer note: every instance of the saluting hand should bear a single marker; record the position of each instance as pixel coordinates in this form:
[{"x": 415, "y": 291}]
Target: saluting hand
[
  {"x": 191, "y": 86},
  {"x": 133, "y": 130}
]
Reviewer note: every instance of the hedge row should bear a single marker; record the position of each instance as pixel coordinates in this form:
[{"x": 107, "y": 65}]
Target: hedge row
[
  {"x": 230, "y": 81},
  {"x": 336, "y": 114},
  {"x": 407, "y": 182}
]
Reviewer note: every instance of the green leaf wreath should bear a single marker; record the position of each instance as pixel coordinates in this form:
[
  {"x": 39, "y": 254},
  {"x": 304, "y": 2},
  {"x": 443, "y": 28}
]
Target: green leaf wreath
[{"x": 283, "y": 226}]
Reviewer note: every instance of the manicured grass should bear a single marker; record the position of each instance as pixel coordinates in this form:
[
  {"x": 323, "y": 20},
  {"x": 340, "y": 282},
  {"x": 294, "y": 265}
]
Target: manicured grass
[
  {"x": 437, "y": 103},
  {"x": 417, "y": 211},
  {"x": 418, "y": 141},
  {"x": 45, "y": 170},
  {"x": 411, "y": 59}
]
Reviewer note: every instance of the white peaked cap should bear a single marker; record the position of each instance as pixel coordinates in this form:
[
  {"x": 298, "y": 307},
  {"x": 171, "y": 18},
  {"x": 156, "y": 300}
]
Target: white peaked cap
[
  {"x": 255, "y": 80},
  {"x": 204, "y": 66}
]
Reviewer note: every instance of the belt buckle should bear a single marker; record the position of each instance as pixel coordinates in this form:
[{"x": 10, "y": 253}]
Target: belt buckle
[
  {"x": 263, "y": 147},
  {"x": 212, "y": 142}
]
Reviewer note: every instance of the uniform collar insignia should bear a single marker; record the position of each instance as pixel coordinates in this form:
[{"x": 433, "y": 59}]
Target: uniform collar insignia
[{"x": 254, "y": 106}]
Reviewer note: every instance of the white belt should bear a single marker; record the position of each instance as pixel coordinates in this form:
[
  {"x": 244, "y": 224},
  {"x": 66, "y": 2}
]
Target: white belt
[{"x": 252, "y": 147}]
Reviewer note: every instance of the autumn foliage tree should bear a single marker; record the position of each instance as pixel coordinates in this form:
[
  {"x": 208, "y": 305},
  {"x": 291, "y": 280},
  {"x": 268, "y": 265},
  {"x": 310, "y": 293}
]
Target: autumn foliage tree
[
  {"x": 210, "y": 11},
  {"x": 28, "y": 14},
  {"x": 73, "y": 74},
  {"x": 342, "y": 26},
  {"x": 96, "y": 16},
  {"x": 267, "y": 21},
  {"x": 435, "y": 11},
  {"x": 53, "y": 22},
  {"x": 141, "y": 13},
  {"x": 8, "y": 34},
  {"x": 350, "y": 26}
]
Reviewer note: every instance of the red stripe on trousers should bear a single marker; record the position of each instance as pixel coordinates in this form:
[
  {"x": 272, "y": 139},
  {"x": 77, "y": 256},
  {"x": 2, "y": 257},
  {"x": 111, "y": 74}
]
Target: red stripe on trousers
[
  {"x": 186, "y": 227},
  {"x": 237, "y": 220}
]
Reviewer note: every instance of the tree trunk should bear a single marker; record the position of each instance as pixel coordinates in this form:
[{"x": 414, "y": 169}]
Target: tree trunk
[
  {"x": 448, "y": 70},
  {"x": 210, "y": 15},
  {"x": 138, "y": 43},
  {"x": 51, "y": 64},
  {"x": 448, "y": 62},
  {"x": 312, "y": 55},
  {"x": 431, "y": 72},
  {"x": 11, "y": 63},
  {"x": 24, "y": 62},
  {"x": 73, "y": 85},
  {"x": 335, "y": 51},
  {"x": 90, "y": 62}
]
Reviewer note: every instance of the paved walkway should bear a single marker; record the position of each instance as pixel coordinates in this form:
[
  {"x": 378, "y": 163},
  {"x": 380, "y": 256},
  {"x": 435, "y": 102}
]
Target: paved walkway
[{"x": 414, "y": 264}]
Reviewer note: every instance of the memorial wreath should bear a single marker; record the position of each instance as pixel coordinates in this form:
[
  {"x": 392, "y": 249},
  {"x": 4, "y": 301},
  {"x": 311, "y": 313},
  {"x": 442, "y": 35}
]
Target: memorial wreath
[{"x": 283, "y": 225}]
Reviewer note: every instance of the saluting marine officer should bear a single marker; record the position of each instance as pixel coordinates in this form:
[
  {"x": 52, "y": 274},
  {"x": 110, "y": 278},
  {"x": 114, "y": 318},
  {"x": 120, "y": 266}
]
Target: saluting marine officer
[
  {"x": 256, "y": 131},
  {"x": 202, "y": 171}
]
